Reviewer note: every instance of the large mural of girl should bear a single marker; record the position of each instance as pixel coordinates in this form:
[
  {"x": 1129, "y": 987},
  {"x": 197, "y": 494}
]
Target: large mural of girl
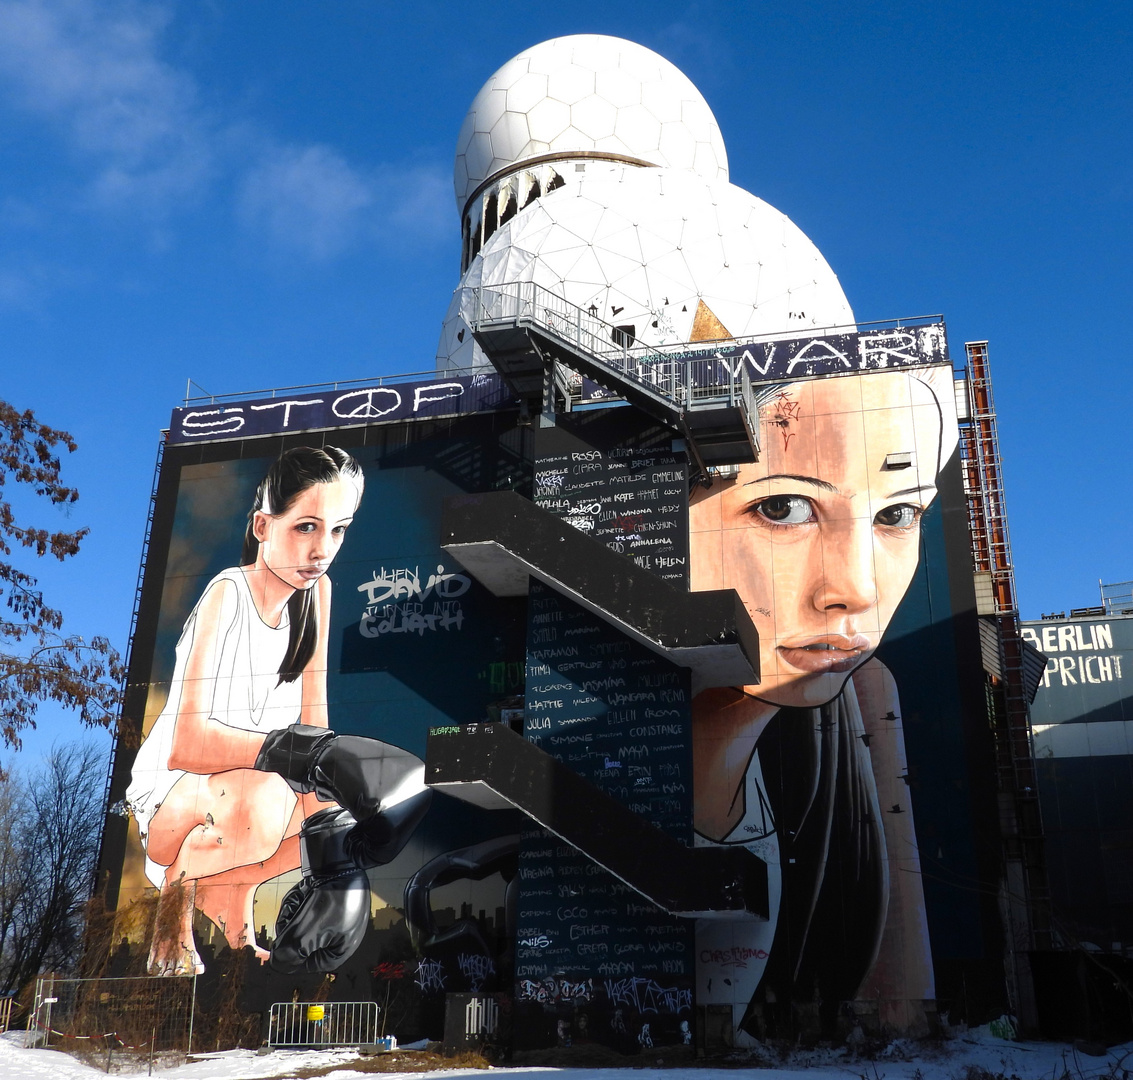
[
  {"x": 821, "y": 538},
  {"x": 240, "y": 766}
]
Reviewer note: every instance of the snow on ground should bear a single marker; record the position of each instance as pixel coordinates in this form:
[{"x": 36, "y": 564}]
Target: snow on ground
[{"x": 975, "y": 1055}]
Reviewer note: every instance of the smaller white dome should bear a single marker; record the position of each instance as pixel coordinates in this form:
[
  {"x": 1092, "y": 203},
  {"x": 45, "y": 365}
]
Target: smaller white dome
[
  {"x": 593, "y": 95},
  {"x": 645, "y": 247}
]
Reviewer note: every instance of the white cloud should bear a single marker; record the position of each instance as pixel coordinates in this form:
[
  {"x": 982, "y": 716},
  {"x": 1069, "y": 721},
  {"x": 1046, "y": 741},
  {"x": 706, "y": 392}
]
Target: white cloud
[
  {"x": 305, "y": 198},
  {"x": 93, "y": 72},
  {"x": 27, "y": 281},
  {"x": 309, "y": 199},
  {"x": 135, "y": 125},
  {"x": 422, "y": 204}
]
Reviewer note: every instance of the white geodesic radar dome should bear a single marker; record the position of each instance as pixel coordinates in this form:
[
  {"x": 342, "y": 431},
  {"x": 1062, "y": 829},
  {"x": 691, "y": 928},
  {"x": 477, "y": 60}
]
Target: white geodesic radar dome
[
  {"x": 645, "y": 247},
  {"x": 587, "y": 94}
]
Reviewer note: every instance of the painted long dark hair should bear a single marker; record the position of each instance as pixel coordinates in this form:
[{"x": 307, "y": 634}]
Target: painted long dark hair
[
  {"x": 294, "y": 471},
  {"x": 820, "y": 784}
]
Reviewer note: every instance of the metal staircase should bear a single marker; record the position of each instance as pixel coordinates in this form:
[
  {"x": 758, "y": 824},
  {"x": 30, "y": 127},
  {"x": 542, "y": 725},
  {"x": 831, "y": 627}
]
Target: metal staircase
[
  {"x": 529, "y": 333},
  {"x": 492, "y": 767}
]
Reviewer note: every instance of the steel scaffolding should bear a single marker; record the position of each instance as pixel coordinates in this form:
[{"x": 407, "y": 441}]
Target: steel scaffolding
[
  {"x": 1026, "y": 900},
  {"x": 130, "y": 643}
]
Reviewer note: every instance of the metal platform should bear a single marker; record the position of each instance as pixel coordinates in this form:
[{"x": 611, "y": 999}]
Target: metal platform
[{"x": 528, "y": 331}]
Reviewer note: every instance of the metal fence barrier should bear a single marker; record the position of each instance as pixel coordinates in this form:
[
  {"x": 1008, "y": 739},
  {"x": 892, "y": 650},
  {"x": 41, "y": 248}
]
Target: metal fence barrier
[
  {"x": 142, "y": 1013},
  {"x": 330, "y": 1023}
]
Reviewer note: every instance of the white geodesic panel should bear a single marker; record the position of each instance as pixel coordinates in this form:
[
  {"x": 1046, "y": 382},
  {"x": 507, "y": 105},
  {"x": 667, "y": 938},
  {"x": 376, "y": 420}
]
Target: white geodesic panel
[
  {"x": 643, "y": 64},
  {"x": 636, "y": 126},
  {"x": 595, "y": 116},
  {"x": 568, "y": 139},
  {"x": 664, "y": 106},
  {"x": 570, "y": 83},
  {"x": 456, "y": 345},
  {"x": 547, "y": 119},
  {"x": 560, "y": 87},
  {"x": 645, "y": 245},
  {"x": 526, "y": 91},
  {"x": 478, "y": 152},
  {"x": 490, "y": 108},
  {"x": 618, "y": 86},
  {"x": 677, "y": 141},
  {"x": 509, "y": 131}
]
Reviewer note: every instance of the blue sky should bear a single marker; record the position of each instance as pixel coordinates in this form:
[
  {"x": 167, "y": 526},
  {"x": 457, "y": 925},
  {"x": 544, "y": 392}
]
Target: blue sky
[{"x": 258, "y": 193}]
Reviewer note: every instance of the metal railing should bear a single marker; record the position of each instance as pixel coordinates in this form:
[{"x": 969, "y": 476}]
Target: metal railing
[
  {"x": 1117, "y": 599},
  {"x": 676, "y": 351},
  {"x": 688, "y": 379},
  {"x": 330, "y": 386},
  {"x": 328, "y": 1023}
]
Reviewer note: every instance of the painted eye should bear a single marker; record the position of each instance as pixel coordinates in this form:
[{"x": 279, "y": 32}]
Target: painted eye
[
  {"x": 898, "y": 516},
  {"x": 784, "y": 510},
  {"x": 305, "y": 527}
]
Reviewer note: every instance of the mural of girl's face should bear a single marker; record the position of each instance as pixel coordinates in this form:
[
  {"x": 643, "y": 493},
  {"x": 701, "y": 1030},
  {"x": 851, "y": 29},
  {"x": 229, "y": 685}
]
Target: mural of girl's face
[
  {"x": 299, "y": 545},
  {"x": 820, "y": 538}
]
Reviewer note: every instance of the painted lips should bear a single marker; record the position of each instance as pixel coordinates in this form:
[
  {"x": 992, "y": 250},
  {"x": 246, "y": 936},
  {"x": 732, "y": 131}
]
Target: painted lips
[{"x": 834, "y": 654}]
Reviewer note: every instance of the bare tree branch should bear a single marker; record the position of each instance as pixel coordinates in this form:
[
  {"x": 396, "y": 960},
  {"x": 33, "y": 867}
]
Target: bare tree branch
[
  {"x": 49, "y": 832},
  {"x": 38, "y": 662}
]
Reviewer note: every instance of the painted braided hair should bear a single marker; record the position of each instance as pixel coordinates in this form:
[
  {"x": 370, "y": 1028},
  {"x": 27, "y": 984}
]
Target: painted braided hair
[{"x": 293, "y": 472}]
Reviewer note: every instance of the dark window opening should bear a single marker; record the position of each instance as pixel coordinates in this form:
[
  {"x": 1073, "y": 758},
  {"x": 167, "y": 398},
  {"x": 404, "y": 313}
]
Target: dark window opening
[
  {"x": 510, "y": 209},
  {"x": 475, "y": 248},
  {"x": 624, "y": 336},
  {"x": 533, "y": 194},
  {"x": 556, "y": 183},
  {"x": 490, "y": 220}
]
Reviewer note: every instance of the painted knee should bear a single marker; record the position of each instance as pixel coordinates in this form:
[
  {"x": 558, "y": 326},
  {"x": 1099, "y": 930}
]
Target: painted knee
[{"x": 250, "y": 814}]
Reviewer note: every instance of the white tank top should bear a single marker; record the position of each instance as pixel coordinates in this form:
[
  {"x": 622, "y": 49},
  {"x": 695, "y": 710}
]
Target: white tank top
[{"x": 246, "y": 691}]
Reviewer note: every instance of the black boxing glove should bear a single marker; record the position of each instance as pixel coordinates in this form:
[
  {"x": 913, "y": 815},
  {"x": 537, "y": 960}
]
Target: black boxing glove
[
  {"x": 323, "y": 919},
  {"x": 291, "y": 751},
  {"x": 380, "y": 839},
  {"x": 351, "y": 770}
]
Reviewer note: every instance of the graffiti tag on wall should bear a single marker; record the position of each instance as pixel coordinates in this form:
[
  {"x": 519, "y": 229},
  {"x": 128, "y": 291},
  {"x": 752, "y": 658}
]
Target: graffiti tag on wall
[{"x": 398, "y": 603}]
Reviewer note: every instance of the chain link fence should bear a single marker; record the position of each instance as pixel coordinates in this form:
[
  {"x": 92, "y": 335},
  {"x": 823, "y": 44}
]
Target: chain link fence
[{"x": 140, "y": 1014}]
